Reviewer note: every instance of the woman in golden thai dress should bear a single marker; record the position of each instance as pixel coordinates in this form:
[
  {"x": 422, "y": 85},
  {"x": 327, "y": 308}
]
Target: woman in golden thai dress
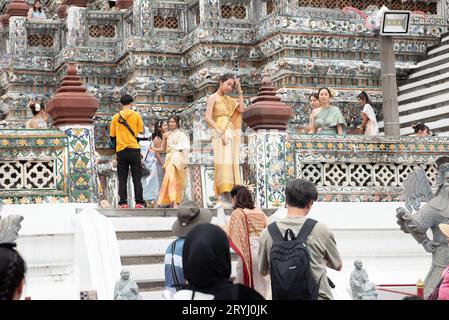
[
  {"x": 176, "y": 145},
  {"x": 244, "y": 229},
  {"x": 224, "y": 116}
]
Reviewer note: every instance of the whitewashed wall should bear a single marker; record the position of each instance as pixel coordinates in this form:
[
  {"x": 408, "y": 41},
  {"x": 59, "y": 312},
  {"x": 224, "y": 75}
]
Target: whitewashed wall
[{"x": 66, "y": 252}]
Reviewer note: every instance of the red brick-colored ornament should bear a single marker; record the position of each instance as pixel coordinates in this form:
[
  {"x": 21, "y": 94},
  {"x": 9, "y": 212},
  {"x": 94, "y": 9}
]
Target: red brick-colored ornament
[
  {"x": 267, "y": 111},
  {"x": 124, "y": 4},
  {"x": 78, "y": 3},
  {"x": 71, "y": 104},
  {"x": 16, "y": 8}
]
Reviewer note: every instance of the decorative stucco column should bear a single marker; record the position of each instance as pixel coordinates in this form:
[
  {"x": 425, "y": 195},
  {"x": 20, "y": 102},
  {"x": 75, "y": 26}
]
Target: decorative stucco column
[
  {"x": 72, "y": 110},
  {"x": 267, "y": 150},
  {"x": 209, "y": 13},
  {"x": 142, "y": 18}
]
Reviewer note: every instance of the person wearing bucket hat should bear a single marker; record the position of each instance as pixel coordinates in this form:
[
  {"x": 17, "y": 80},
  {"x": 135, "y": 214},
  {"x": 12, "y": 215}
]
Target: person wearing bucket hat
[
  {"x": 443, "y": 292},
  {"x": 189, "y": 215}
]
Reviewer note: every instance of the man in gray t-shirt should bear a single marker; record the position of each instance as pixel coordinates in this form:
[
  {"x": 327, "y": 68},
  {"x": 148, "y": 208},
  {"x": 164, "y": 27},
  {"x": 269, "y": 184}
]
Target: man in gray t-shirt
[{"x": 300, "y": 195}]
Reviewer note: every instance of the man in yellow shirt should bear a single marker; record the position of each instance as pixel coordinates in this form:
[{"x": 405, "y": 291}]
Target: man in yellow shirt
[{"x": 125, "y": 126}]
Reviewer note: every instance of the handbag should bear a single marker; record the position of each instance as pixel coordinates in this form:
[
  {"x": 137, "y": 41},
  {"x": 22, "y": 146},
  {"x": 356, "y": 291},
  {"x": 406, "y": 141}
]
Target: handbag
[{"x": 146, "y": 167}]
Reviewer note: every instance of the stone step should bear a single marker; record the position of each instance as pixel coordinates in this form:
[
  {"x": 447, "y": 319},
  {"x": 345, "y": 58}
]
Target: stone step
[
  {"x": 434, "y": 62},
  {"x": 146, "y": 227},
  {"x": 425, "y": 116},
  {"x": 135, "y": 260},
  {"x": 158, "y": 212},
  {"x": 141, "y": 235},
  {"x": 151, "y": 295},
  {"x": 155, "y": 273},
  {"x": 442, "y": 42},
  {"x": 438, "y": 48},
  {"x": 427, "y": 76},
  {"x": 430, "y": 70},
  {"x": 148, "y": 286},
  {"x": 432, "y": 58},
  {"x": 147, "y": 247},
  {"x": 431, "y": 101},
  {"x": 131, "y": 224},
  {"x": 423, "y": 93},
  {"x": 425, "y": 83}
]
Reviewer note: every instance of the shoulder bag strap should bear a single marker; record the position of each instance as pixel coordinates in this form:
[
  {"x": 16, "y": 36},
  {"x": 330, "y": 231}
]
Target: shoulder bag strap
[
  {"x": 275, "y": 233},
  {"x": 173, "y": 269},
  {"x": 305, "y": 230},
  {"x": 125, "y": 123}
]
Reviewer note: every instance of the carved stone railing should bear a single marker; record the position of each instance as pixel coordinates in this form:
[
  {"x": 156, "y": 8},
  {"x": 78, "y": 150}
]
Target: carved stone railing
[
  {"x": 344, "y": 168},
  {"x": 358, "y": 168},
  {"x": 33, "y": 166}
]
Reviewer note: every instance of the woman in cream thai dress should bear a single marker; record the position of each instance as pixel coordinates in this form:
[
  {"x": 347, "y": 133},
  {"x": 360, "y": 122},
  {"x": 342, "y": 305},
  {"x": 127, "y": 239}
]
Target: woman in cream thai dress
[
  {"x": 176, "y": 144},
  {"x": 224, "y": 116}
]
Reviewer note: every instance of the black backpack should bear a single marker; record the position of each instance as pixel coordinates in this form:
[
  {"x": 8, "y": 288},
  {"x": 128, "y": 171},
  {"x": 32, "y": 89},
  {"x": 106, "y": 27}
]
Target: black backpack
[{"x": 291, "y": 277}]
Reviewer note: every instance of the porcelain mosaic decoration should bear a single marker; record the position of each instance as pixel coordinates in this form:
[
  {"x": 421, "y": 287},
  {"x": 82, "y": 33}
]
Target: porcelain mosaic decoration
[
  {"x": 33, "y": 166},
  {"x": 169, "y": 55}
]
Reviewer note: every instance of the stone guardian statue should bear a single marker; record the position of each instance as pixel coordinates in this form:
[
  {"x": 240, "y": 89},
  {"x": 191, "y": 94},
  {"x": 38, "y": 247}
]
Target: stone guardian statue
[{"x": 434, "y": 212}]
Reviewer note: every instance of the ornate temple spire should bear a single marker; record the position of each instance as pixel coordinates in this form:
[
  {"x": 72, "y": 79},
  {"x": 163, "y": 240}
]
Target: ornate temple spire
[
  {"x": 72, "y": 104},
  {"x": 267, "y": 111}
]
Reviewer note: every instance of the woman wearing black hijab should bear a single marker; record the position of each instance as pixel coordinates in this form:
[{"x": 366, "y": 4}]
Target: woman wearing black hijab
[{"x": 207, "y": 267}]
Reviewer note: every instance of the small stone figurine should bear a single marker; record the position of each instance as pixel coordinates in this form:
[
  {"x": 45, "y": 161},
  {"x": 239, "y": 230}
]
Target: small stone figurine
[
  {"x": 126, "y": 288},
  {"x": 361, "y": 288}
]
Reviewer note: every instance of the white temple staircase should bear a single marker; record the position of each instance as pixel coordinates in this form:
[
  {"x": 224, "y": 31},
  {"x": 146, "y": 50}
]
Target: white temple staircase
[
  {"x": 366, "y": 231},
  {"x": 424, "y": 96},
  {"x": 143, "y": 236}
]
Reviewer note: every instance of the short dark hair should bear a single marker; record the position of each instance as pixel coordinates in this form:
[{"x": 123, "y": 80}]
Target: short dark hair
[
  {"x": 299, "y": 193},
  {"x": 243, "y": 197},
  {"x": 126, "y": 99}
]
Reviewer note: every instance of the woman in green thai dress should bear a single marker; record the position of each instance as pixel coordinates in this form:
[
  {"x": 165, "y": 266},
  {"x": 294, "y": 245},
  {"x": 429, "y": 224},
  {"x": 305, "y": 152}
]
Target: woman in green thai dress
[{"x": 327, "y": 119}]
